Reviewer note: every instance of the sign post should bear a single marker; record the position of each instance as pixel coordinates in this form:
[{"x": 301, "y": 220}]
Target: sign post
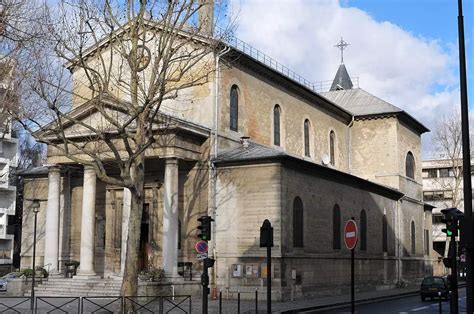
[
  {"x": 350, "y": 240},
  {"x": 266, "y": 240}
]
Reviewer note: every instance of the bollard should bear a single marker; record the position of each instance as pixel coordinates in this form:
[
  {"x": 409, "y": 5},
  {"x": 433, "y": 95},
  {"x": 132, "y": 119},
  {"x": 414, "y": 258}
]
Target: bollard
[
  {"x": 256, "y": 300},
  {"x": 220, "y": 302},
  {"x": 238, "y": 302}
]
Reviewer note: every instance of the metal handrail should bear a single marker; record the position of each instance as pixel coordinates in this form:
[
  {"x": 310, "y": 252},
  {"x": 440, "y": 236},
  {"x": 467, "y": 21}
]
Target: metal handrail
[{"x": 238, "y": 44}]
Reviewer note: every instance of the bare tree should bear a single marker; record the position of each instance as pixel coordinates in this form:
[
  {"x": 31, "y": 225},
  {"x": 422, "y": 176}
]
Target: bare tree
[
  {"x": 127, "y": 59},
  {"x": 447, "y": 141},
  {"x": 17, "y": 30}
]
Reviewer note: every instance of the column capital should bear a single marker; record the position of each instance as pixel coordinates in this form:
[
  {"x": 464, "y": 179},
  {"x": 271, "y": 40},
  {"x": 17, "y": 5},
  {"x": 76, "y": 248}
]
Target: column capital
[
  {"x": 171, "y": 160},
  {"x": 53, "y": 168},
  {"x": 89, "y": 168}
]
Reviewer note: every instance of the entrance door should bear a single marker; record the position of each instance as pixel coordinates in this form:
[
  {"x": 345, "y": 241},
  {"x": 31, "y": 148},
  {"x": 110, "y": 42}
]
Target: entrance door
[{"x": 144, "y": 238}]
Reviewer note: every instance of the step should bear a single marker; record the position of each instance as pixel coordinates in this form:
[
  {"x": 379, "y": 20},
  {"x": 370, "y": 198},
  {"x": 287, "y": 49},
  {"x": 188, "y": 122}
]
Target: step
[{"x": 77, "y": 284}]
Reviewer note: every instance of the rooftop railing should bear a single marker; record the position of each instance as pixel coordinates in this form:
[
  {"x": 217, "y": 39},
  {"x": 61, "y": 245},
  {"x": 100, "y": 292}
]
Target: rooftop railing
[{"x": 238, "y": 44}]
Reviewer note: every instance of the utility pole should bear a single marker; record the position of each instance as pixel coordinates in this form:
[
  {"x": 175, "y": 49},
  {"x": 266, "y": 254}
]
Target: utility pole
[{"x": 468, "y": 221}]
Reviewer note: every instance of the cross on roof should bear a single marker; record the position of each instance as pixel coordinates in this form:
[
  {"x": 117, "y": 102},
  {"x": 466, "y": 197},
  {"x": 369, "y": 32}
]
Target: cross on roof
[{"x": 342, "y": 45}]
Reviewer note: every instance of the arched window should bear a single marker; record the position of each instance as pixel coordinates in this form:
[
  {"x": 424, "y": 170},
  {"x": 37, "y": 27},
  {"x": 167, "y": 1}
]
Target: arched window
[
  {"x": 306, "y": 138},
  {"x": 413, "y": 239},
  {"x": 234, "y": 108},
  {"x": 410, "y": 165},
  {"x": 363, "y": 231},
  {"x": 332, "y": 143},
  {"x": 384, "y": 234},
  {"x": 276, "y": 125},
  {"x": 298, "y": 227},
  {"x": 336, "y": 227}
]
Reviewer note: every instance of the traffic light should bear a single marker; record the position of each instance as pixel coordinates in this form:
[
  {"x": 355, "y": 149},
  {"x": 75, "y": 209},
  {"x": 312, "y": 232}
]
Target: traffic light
[
  {"x": 205, "y": 228},
  {"x": 451, "y": 227}
]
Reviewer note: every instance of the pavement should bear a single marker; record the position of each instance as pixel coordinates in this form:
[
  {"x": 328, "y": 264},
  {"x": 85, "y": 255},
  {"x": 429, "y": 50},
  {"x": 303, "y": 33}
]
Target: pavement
[{"x": 248, "y": 306}]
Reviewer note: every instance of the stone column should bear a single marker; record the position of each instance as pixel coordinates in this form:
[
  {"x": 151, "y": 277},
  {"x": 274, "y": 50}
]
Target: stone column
[
  {"x": 86, "y": 268},
  {"x": 127, "y": 203},
  {"x": 51, "y": 228},
  {"x": 170, "y": 218}
]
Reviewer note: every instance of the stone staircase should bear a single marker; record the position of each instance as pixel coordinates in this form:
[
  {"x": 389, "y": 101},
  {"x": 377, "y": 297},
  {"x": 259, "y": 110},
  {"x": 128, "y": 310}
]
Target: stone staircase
[{"x": 78, "y": 287}]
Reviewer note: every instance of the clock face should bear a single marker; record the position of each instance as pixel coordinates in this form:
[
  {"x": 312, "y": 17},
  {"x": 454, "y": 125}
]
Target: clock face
[{"x": 143, "y": 57}]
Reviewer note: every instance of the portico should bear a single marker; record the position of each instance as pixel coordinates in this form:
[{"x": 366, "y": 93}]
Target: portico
[{"x": 94, "y": 216}]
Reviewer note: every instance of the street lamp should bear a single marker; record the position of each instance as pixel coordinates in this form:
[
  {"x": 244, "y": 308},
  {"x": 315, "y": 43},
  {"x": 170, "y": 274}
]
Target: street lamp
[{"x": 35, "y": 206}]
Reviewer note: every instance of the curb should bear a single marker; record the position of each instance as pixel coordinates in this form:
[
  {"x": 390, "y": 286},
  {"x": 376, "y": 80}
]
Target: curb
[
  {"x": 333, "y": 306},
  {"x": 347, "y": 303}
]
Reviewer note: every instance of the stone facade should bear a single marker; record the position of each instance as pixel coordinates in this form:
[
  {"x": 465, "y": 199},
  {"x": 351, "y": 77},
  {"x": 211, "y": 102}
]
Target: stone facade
[{"x": 328, "y": 158}]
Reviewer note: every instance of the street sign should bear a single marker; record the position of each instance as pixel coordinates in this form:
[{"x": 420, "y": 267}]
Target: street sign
[
  {"x": 201, "y": 246},
  {"x": 350, "y": 234},
  {"x": 202, "y": 256}
]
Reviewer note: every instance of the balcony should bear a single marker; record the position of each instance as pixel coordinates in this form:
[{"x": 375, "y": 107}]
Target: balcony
[{"x": 8, "y": 201}]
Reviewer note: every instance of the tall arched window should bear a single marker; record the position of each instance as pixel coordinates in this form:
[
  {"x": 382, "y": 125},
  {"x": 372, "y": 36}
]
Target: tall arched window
[
  {"x": 306, "y": 138},
  {"x": 332, "y": 143},
  {"x": 410, "y": 165},
  {"x": 298, "y": 225},
  {"x": 384, "y": 234},
  {"x": 234, "y": 108},
  {"x": 276, "y": 125},
  {"x": 413, "y": 239},
  {"x": 363, "y": 231},
  {"x": 336, "y": 227}
]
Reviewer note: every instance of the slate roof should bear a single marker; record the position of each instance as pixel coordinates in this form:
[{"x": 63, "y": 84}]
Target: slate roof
[
  {"x": 359, "y": 102},
  {"x": 363, "y": 104},
  {"x": 253, "y": 152},
  {"x": 342, "y": 79},
  {"x": 256, "y": 153}
]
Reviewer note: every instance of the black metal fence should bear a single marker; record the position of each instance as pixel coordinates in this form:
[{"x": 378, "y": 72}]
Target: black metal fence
[
  {"x": 97, "y": 304},
  {"x": 233, "y": 305}
]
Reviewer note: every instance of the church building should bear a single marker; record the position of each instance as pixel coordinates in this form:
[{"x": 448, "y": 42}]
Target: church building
[{"x": 256, "y": 142}]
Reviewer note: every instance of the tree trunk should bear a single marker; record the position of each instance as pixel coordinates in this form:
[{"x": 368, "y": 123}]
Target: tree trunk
[{"x": 130, "y": 277}]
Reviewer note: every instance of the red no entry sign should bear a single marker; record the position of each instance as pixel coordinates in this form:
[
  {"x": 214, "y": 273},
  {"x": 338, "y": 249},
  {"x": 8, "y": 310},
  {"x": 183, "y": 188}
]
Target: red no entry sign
[
  {"x": 201, "y": 246},
  {"x": 350, "y": 234}
]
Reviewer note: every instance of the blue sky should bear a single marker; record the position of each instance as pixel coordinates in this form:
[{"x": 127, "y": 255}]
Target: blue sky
[
  {"x": 403, "y": 51},
  {"x": 433, "y": 19}
]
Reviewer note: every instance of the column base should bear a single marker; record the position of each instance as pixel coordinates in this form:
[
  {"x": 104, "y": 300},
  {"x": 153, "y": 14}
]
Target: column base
[{"x": 86, "y": 275}]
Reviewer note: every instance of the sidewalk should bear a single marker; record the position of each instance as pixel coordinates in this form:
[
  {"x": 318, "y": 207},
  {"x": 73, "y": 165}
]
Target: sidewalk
[{"x": 246, "y": 306}]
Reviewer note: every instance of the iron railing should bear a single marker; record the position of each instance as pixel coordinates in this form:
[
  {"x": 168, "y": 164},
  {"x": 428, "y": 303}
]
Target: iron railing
[
  {"x": 238, "y": 44},
  {"x": 98, "y": 304}
]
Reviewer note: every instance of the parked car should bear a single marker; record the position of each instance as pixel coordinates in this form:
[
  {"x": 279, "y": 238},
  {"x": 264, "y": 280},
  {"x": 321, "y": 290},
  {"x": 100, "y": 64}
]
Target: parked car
[
  {"x": 432, "y": 286},
  {"x": 4, "y": 279}
]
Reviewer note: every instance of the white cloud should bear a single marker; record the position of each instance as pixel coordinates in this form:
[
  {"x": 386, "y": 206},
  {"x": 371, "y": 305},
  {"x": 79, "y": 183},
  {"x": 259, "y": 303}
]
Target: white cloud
[{"x": 408, "y": 70}]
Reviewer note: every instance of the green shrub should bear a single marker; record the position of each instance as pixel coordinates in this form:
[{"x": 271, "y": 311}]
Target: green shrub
[{"x": 28, "y": 272}]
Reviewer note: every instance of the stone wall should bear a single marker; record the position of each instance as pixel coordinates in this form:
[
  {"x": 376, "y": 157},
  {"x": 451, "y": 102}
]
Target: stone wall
[
  {"x": 34, "y": 188},
  {"x": 257, "y": 98},
  {"x": 246, "y": 196},
  {"x": 268, "y": 191}
]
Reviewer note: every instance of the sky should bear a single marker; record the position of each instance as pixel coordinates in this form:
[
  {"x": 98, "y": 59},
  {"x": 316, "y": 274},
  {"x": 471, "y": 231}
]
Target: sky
[{"x": 403, "y": 51}]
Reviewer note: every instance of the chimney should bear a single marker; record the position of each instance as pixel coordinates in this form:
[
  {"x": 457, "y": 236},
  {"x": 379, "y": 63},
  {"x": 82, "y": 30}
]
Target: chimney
[
  {"x": 244, "y": 140},
  {"x": 206, "y": 17}
]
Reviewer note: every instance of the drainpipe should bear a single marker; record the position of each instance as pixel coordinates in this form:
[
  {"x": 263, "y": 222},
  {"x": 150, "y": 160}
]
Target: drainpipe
[{"x": 213, "y": 173}]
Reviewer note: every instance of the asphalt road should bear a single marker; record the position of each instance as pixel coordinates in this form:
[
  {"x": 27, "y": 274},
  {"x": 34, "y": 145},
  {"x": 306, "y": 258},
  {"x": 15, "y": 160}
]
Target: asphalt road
[{"x": 411, "y": 304}]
